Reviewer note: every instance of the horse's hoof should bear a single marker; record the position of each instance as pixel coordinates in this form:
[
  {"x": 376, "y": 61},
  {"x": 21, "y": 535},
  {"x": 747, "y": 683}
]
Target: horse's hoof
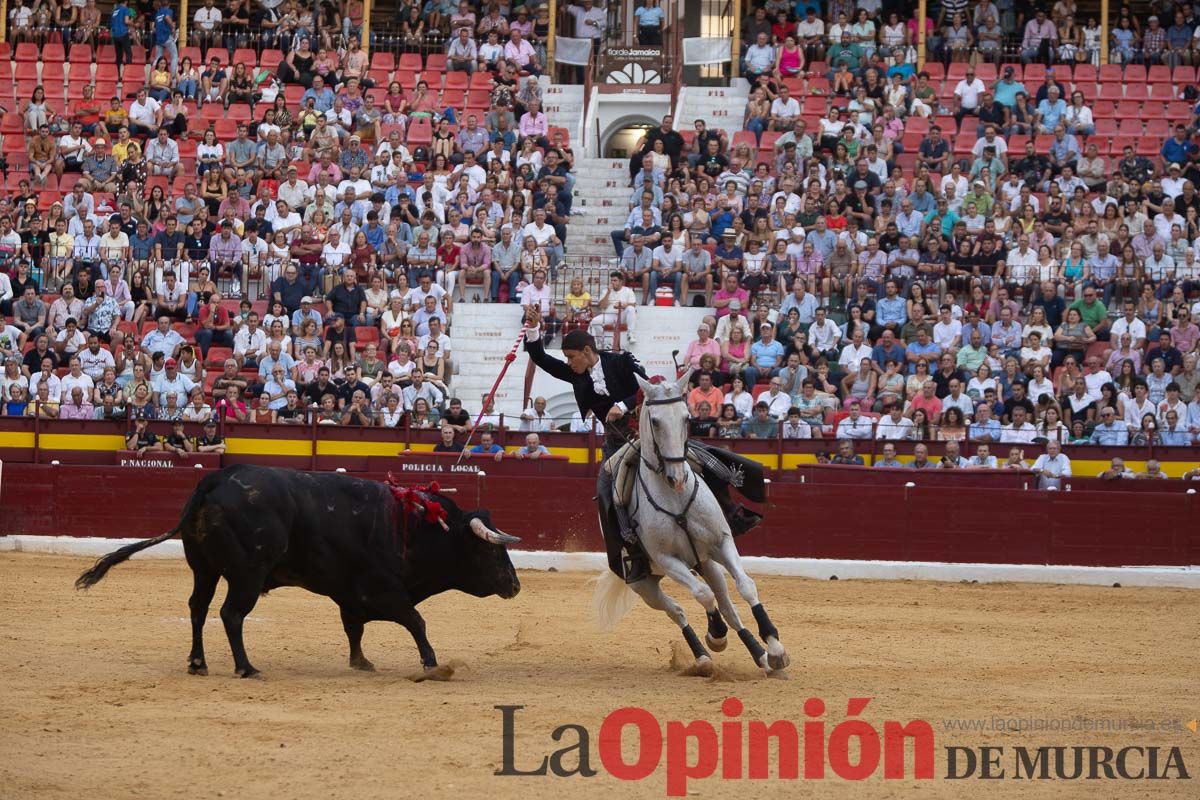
[
  {"x": 777, "y": 657},
  {"x": 198, "y": 669},
  {"x": 362, "y": 664},
  {"x": 716, "y": 645},
  {"x": 248, "y": 672},
  {"x": 703, "y": 668}
]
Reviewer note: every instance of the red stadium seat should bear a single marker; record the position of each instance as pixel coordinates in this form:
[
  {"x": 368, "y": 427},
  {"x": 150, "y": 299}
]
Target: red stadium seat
[
  {"x": 420, "y": 133},
  {"x": 225, "y": 129},
  {"x": 1111, "y": 91},
  {"x": 482, "y": 81},
  {"x": 26, "y": 53},
  {"x": 1137, "y": 90},
  {"x": 1135, "y": 74},
  {"x": 26, "y": 72},
  {"x": 407, "y": 80},
  {"x": 1163, "y": 92},
  {"x": 80, "y": 52},
  {"x": 106, "y": 72},
  {"x": 106, "y": 54},
  {"x": 239, "y": 112},
  {"x": 435, "y": 62},
  {"x": 79, "y": 73},
  {"x": 383, "y": 61},
  {"x": 937, "y": 72},
  {"x": 1157, "y": 128},
  {"x": 986, "y": 72},
  {"x": 1106, "y": 126},
  {"x": 1183, "y": 75},
  {"x": 1159, "y": 73},
  {"x": 1035, "y": 74},
  {"x": 270, "y": 60},
  {"x": 53, "y": 52},
  {"x": 1111, "y": 73},
  {"x": 244, "y": 55},
  {"x": 410, "y": 62},
  {"x": 1178, "y": 111},
  {"x": 1085, "y": 73},
  {"x": 12, "y": 125}
]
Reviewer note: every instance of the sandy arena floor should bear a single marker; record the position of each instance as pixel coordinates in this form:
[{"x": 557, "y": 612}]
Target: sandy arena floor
[{"x": 96, "y": 702}]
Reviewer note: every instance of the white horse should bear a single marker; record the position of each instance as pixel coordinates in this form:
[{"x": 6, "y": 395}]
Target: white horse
[{"x": 684, "y": 532}]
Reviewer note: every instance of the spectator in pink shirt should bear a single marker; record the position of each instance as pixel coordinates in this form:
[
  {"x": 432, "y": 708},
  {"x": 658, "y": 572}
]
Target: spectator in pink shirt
[
  {"x": 703, "y": 345},
  {"x": 77, "y": 407},
  {"x": 521, "y": 53},
  {"x": 533, "y": 123}
]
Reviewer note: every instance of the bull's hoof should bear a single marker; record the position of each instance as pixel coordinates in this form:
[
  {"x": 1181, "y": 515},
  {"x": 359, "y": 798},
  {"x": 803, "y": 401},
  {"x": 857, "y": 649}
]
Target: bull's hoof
[
  {"x": 247, "y": 672},
  {"x": 703, "y": 668},
  {"x": 441, "y": 672},
  {"x": 362, "y": 664},
  {"x": 196, "y": 666},
  {"x": 714, "y": 644}
]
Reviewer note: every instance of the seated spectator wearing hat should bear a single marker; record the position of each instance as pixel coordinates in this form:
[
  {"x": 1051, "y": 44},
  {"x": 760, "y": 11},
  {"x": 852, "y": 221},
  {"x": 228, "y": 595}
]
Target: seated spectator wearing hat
[
  {"x": 210, "y": 441},
  {"x": 141, "y": 439}
]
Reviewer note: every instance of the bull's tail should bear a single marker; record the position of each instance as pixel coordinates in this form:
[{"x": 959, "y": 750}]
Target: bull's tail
[
  {"x": 101, "y": 567},
  {"x": 611, "y": 600}
]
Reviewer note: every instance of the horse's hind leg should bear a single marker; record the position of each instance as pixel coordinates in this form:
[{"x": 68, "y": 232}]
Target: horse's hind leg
[
  {"x": 777, "y": 657},
  {"x": 651, "y": 592}
]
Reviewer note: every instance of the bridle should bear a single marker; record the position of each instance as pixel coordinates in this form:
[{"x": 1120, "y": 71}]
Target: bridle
[
  {"x": 660, "y": 467},
  {"x": 681, "y": 518}
]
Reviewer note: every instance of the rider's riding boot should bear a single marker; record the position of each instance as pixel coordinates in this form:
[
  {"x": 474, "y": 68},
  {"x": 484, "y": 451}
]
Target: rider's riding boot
[
  {"x": 742, "y": 519},
  {"x": 636, "y": 562}
]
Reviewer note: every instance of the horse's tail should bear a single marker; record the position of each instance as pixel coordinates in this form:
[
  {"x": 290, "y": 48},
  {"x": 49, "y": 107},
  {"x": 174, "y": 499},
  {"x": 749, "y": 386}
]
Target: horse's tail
[{"x": 611, "y": 600}]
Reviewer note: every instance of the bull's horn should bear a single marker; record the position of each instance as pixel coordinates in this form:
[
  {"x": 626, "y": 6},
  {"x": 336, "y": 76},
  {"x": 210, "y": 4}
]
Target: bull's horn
[{"x": 489, "y": 535}]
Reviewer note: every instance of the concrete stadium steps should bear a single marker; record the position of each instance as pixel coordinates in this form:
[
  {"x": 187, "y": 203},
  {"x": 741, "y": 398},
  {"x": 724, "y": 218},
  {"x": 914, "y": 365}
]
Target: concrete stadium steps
[
  {"x": 563, "y": 104},
  {"x": 482, "y": 334},
  {"x": 719, "y": 107},
  {"x": 601, "y": 204}
]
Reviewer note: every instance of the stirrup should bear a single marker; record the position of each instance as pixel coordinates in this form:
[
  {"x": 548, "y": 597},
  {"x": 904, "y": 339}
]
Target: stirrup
[{"x": 636, "y": 567}]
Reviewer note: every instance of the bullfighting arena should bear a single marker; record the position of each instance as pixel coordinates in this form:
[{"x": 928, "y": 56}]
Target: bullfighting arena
[{"x": 97, "y": 703}]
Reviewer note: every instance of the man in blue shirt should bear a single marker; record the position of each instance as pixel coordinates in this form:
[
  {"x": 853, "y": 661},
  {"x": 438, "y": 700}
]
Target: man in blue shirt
[
  {"x": 1005, "y": 90},
  {"x": 321, "y": 95},
  {"x": 984, "y": 428},
  {"x": 165, "y": 33},
  {"x": 887, "y": 350},
  {"x": 1111, "y": 431},
  {"x": 487, "y": 447},
  {"x": 765, "y": 356},
  {"x": 119, "y": 27},
  {"x": 1178, "y": 149},
  {"x": 890, "y": 310}
]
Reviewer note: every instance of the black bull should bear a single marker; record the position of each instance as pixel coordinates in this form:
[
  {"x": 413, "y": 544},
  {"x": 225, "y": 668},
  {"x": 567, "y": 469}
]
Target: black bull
[{"x": 262, "y": 527}]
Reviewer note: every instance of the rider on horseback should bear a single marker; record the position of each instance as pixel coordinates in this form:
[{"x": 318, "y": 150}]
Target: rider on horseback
[{"x": 605, "y": 384}]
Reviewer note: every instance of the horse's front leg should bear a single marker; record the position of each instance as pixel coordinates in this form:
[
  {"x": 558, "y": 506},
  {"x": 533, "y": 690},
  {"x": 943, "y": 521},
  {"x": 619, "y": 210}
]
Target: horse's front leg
[
  {"x": 777, "y": 657},
  {"x": 651, "y": 591}
]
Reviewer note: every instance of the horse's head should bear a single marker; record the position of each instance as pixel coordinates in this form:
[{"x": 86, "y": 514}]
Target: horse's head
[{"x": 664, "y": 428}]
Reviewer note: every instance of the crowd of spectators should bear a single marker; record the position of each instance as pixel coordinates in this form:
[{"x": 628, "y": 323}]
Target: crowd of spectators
[
  {"x": 925, "y": 255},
  {"x": 266, "y": 223}
]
